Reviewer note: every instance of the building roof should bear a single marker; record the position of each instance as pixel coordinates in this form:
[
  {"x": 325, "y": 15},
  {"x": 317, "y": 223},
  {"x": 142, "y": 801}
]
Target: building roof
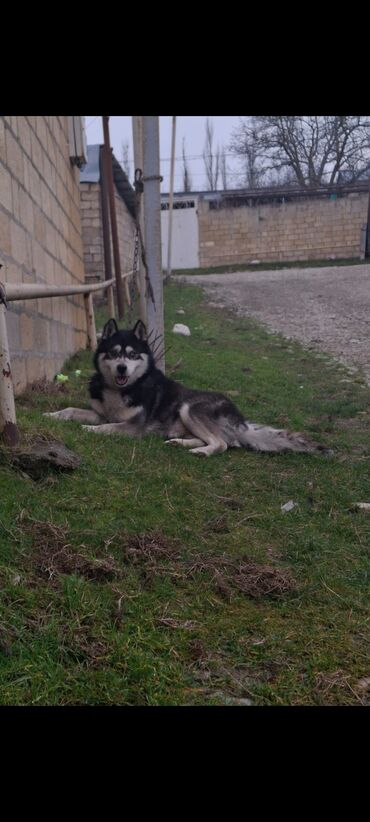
[{"x": 90, "y": 173}]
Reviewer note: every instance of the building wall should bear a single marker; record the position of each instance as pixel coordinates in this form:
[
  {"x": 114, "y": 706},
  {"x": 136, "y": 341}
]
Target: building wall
[
  {"x": 185, "y": 237},
  {"x": 92, "y": 233},
  {"x": 302, "y": 230},
  {"x": 40, "y": 242}
]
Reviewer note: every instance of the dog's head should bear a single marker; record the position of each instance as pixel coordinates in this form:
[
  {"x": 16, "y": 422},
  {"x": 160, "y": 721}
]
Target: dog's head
[{"x": 123, "y": 357}]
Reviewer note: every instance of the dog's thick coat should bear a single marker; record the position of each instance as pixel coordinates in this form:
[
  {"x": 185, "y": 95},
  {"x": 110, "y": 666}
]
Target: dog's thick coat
[{"x": 130, "y": 396}]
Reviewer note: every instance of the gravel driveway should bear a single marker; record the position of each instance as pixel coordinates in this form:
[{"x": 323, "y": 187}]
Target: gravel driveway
[{"x": 327, "y": 309}]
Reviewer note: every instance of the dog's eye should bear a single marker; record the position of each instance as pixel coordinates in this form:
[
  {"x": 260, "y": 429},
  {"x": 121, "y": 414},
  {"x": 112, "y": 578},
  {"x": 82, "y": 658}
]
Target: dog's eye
[{"x": 131, "y": 355}]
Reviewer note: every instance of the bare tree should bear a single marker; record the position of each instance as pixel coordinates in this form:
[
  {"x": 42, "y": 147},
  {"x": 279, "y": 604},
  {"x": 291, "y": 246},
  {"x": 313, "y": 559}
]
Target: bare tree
[
  {"x": 125, "y": 158},
  {"x": 224, "y": 169},
  {"x": 187, "y": 181},
  {"x": 211, "y": 159},
  {"x": 314, "y": 151}
]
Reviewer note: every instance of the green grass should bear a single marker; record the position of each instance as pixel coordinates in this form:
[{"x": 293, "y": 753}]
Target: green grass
[
  {"x": 269, "y": 266},
  {"x": 160, "y": 634}
]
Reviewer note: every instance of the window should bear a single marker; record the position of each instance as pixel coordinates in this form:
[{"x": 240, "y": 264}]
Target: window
[
  {"x": 178, "y": 204},
  {"x": 77, "y": 141}
]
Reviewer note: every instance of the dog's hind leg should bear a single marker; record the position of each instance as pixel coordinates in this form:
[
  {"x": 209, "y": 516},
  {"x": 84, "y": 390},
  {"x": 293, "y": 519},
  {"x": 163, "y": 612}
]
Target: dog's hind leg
[{"x": 196, "y": 420}]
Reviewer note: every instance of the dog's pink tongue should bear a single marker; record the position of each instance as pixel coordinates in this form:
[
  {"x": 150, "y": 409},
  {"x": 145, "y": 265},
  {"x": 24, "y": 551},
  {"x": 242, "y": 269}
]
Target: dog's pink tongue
[{"x": 121, "y": 380}]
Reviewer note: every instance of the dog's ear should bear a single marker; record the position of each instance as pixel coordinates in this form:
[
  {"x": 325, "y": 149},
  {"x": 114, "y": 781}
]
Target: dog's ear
[
  {"x": 109, "y": 329},
  {"x": 139, "y": 330}
]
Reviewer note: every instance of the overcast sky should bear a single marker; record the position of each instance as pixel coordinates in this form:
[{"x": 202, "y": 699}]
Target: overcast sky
[{"x": 192, "y": 128}]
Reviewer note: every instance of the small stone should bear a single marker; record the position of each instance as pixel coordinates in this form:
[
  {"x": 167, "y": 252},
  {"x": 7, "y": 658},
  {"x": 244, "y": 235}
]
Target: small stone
[
  {"x": 289, "y": 506},
  {"x": 181, "y": 329}
]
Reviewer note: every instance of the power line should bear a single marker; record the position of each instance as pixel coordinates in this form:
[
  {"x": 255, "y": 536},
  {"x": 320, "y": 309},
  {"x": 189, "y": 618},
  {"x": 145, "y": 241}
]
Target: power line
[{"x": 192, "y": 157}]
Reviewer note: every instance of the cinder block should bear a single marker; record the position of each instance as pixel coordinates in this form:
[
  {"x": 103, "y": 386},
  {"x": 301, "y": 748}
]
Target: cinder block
[{"x": 26, "y": 332}]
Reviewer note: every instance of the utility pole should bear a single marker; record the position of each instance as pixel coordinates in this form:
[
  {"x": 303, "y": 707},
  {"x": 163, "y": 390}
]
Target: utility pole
[
  {"x": 152, "y": 229},
  {"x": 170, "y": 206},
  {"x": 113, "y": 217}
]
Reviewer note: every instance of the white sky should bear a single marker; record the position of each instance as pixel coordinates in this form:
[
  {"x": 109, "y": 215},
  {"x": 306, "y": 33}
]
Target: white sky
[{"x": 192, "y": 128}]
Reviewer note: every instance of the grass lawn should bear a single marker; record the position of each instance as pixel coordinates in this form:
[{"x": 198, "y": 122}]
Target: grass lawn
[
  {"x": 270, "y": 266},
  {"x": 149, "y": 576}
]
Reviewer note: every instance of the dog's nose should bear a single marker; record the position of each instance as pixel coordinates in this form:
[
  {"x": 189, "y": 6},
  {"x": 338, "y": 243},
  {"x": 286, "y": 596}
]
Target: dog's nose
[{"x": 121, "y": 369}]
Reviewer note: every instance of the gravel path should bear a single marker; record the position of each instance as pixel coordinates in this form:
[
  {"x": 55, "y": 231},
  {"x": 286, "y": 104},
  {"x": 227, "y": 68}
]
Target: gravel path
[{"x": 327, "y": 309}]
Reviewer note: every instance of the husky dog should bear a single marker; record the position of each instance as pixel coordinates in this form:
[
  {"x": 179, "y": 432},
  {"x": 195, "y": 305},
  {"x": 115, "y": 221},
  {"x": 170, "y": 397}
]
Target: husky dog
[{"x": 130, "y": 396}]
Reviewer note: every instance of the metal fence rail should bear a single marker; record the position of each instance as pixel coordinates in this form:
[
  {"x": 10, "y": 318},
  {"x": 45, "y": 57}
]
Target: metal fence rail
[{"x": 10, "y": 292}]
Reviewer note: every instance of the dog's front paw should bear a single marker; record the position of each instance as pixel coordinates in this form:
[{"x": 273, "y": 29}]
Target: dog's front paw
[
  {"x": 94, "y": 428},
  {"x": 59, "y": 415},
  {"x": 64, "y": 414}
]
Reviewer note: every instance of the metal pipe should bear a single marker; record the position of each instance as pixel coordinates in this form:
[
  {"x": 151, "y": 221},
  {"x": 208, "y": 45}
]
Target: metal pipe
[
  {"x": 23, "y": 291},
  {"x": 170, "y": 206},
  {"x": 113, "y": 218},
  {"x": 8, "y": 421},
  {"x": 152, "y": 226}
]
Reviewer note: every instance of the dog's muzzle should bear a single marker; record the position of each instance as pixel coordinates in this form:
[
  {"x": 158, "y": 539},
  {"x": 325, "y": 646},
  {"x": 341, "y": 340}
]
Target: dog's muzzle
[{"x": 121, "y": 376}]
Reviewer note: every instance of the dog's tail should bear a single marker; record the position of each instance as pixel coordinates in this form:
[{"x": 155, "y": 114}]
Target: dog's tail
[{"x": 273, "y": 440}]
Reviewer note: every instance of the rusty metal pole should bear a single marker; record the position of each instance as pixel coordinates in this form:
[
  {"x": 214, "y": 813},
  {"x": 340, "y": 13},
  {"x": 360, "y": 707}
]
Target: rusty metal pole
[
  {"x": 113, "y": 217},
  {"x": 106, "y": 233},
  {"x": 8, "y": 421},
  {"x": 137, "y": 134}
]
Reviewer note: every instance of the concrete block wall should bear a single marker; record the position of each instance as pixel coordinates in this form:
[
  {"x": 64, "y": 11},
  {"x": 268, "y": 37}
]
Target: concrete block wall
[
  {"x": 318, "y": 228},
  {"x": 40, "y": 242},
  {"x": 92, "y": 232}
]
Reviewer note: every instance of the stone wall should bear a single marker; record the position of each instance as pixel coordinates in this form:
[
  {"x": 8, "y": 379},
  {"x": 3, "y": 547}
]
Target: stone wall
[
  {"x": 92, "y": 232},
  {"x": 316, "y": 228},
  {"x": 40, "y": 242}
]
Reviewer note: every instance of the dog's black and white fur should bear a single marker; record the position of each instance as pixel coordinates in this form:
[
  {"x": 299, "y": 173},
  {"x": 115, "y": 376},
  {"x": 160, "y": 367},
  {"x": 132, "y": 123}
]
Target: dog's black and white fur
[{"x": 130, "y": 396}]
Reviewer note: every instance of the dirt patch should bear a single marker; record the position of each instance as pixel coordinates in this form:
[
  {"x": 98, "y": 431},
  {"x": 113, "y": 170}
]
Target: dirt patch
[
  {"x": 223, "y": 680},
  {"x": 229, "y": 575},
  {"x": 336, "y": 687},
  {"x": 244, "y": 576},
  {"x": 325, "y": 309},
  {"x": 148, "y": 549},
  {"x": 54, "y": 556}
]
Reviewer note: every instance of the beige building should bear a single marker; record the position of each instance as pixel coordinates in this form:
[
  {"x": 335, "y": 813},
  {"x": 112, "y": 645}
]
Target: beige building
[
  {"x": 41, "y": 240},
  {"x": 276, "y": 225},
  {"x": 98, "y": 259}
]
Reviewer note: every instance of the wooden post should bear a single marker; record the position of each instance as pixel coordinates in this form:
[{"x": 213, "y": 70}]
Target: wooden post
[
  {"x": 111, "y": 309},
  {"x": 106, "y": 231},
  {"x": 90, "y": 322},
  {"x": 137, "y": 134},
  {"x": 170, "y": 205},
  {"x": 8, "y": 421}
]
